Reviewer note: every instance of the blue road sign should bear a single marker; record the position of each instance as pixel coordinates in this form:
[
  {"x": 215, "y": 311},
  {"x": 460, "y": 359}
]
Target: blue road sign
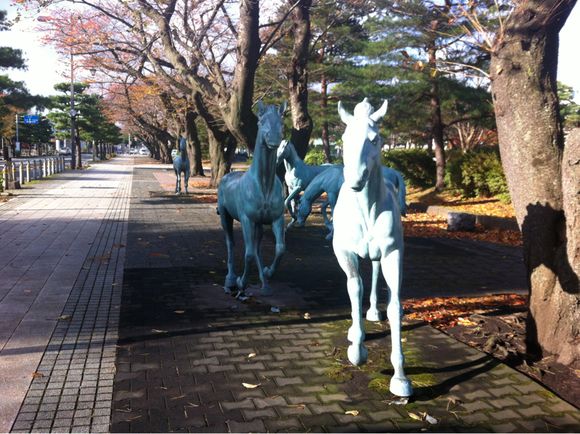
[{"x": 30, "y": 119}]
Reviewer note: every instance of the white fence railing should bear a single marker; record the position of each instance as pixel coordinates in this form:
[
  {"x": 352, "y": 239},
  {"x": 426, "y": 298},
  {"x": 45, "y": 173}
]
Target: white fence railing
[{"x": 28, "y": 170}]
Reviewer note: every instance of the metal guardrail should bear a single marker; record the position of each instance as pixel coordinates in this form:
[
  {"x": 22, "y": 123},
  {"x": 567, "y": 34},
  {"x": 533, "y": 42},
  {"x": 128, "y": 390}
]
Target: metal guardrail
[{"x": 25, "y": 171}]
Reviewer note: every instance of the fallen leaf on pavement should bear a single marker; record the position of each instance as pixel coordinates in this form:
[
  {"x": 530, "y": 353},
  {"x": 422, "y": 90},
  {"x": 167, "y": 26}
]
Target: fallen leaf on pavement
[
  {"x": 352, "y": 412},
  {"x": 65, "y": 317},
  {"x": 251, "y": 355},
  {"x": 250, "y": 385},
  {"x": 306, "y": 315},
  {"x": 415, "y": 416},
  {"x": 37, "y": 374},
  {"x": 430, "y": 419}
]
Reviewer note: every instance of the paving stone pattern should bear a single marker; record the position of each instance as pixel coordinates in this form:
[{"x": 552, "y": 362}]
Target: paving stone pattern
[
  {"x": 186, "y": 349},
  {"x": 73, "y": 385}
]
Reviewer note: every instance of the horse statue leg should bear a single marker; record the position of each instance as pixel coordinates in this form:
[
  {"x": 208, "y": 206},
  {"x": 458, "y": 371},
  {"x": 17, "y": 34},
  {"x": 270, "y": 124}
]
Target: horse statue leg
[
  {"x": 251, "y": 251},
  {"x": 357, "y": 352},
  {"x": 177, "y": 182},
  {"x": 227, "y": 225},
  {"x": 374, "y": 314},
  {"x": 187, "y": 175},
  {"x": 266, "y": 289},
  {"x": 332, "y": 198},
  {"x": 391, "y": 265},
  {"x": 290, "y": 207},
  {"x": 278, "y": 230}
]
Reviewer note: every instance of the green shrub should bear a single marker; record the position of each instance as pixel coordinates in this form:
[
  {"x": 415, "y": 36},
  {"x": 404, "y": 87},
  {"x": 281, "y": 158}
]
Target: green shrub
[
  {"x": 316, "y": 157},
  {"x": 416, "y": 165},
  {"x": 478, "y": 173}
]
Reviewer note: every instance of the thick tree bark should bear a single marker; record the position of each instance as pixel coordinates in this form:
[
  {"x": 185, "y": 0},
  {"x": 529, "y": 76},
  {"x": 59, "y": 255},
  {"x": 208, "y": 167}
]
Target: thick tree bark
[
  {"x": 324, "y": 105},
  {"x": 436, "y": 119},
  {"x": 298, "y": 77},
  {"x": 239, "y": 118},
  {"x": 193, "y": 144},
  {"x": 222, "y": 144},
  {"x": 523, "y": 73}
]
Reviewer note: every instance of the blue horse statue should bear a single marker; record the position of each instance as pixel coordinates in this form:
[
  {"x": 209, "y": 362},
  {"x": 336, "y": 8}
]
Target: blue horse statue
[
  {"x": 181, "y": 165},
  {"x": 255, "y": 198}
]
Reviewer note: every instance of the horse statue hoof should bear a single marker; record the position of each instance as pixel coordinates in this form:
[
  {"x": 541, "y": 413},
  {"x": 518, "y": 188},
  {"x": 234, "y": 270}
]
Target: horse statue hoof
[
  {"x": 266, "y": 290},
  {"x": 401, "y": 387},
  {"x": 267, "y": 272},
  {"x": 240, "y": 284},
  {"x": 357, "y": 354},
  {"x": 375, "y": 315}
]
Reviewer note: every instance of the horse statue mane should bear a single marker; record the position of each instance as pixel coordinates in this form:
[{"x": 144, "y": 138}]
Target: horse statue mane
[
  {"x": 181, "y": 165},
  {"x": 255, "y": 198},
  {"x": 367, "y": 224}
]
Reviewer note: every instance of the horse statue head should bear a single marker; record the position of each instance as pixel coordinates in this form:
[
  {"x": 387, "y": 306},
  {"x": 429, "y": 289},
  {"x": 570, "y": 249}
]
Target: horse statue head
[
  {"x": 283, "y": 151},
  {"x": 361, "y": 142},
  {"x": 270, "y": 125}
]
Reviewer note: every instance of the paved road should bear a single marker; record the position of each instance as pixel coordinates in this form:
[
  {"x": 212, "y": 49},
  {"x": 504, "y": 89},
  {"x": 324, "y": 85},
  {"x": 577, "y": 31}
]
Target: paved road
[{"x": 183, "y": 345}]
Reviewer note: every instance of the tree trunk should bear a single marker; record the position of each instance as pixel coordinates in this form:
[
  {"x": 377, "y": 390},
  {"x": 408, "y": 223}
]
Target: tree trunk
[
  {"x": 222, "y": 144},
  {"x": 298, "y": 78},
  {"x": 523, "y": 73},
  {"x": 164, "y": 151},
  {"x": 193, "y": 143},
  {"x": 324, "y": 105},
  {"x": 240, "y": 119},
  {"x": 436, "y": 120}
]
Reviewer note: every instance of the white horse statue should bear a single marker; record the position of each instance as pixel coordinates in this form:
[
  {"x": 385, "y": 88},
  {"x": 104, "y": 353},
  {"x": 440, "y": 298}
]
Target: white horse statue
[
  {"x": 367, "y": 224},
  {"x": 255, "y": 198},
  {"x": 298, "y": 174},
  {"x": 329, "y": 182}
]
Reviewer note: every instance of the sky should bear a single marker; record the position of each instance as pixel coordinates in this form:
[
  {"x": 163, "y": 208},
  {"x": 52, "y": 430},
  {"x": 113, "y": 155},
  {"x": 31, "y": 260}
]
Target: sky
[{"x": 45, "y": 68}]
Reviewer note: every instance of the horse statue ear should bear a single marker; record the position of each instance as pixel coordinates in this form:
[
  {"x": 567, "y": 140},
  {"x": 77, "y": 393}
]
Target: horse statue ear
[
  {"x": 261, "y": 108},
  {"x": 344, "y": 115},
  {"x": 283, "y": 108},
  {"x": 380, "y": 112}
]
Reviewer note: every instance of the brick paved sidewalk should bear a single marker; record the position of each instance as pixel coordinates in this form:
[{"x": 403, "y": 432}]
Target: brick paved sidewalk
[
  {"x": 185, "y": 348},
  {"x": 62, "y": 255}
]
